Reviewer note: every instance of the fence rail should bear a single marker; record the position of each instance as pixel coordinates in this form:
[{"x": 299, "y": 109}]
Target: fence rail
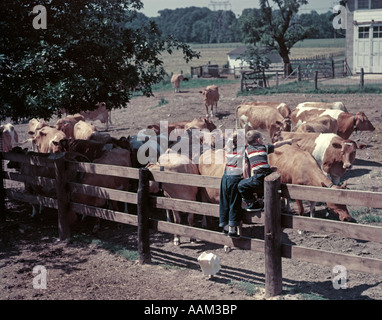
[{"x": 272, "y": 246}]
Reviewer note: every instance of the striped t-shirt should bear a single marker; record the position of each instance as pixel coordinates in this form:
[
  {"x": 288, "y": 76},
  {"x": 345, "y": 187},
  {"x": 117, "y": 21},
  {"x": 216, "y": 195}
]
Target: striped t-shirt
[
  {"x": 234, "y": 161},
  {"x": 257, "y": 156}
]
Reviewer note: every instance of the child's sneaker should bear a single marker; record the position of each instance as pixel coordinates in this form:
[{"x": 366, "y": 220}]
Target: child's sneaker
[
  {"x": 253, "y": 207},
  {"x": 233, "y": 233},
  {"x": 225, "y": 229}
]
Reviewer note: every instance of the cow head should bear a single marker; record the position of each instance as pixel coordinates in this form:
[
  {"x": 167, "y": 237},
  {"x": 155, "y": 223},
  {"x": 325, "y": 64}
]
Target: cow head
[
  {"x": 348, "y": 151},
  {"x": 276, "y": 128},
  {"x": 362, "y": 123}
]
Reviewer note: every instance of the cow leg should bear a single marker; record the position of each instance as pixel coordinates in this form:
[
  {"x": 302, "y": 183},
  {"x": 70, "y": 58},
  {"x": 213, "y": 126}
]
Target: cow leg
[
  {"x": 176, "y": 220},
  {"x": 300, "y": 207},
  {"x": 191, "y": 223},
  {"x": 312, "y": 208},
  {"x": 207, "y": 111}
]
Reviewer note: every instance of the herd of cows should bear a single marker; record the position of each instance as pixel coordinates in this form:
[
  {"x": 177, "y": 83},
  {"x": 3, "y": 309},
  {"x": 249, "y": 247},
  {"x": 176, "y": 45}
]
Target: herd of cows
[{"x": 321, "y": 153}]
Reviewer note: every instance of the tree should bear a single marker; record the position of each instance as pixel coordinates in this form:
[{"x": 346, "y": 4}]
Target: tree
[
  {"x": 89, "y": 52},
  {"x": 278, "y": 28}
]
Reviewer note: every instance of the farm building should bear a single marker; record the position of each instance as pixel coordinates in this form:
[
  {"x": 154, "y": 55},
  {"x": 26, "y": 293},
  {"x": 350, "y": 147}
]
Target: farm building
[
  {"x": 364, "y": 35},
  {"x": 234, "y": 56}
]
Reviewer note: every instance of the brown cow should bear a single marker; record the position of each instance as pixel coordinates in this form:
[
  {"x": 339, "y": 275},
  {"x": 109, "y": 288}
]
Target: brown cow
[
  {"x": 324, "y": 124},
  {"x": 334, "y": 155},
  {"x": 346, "y": 122},
  {"x": 47, "y": 140},
  {"x": 174, "y": 162},
  {"x": 67, "y": 124},
  {"x": 281, "y": 107},
  {"x": 33, "y": 126},
  {"x": 261, "y": 117},
  {"x": 211, "y": 98},
  {"x": 297, "y": 166},
  {"x": 175, "y": 82},
  {"x": 83, "y": 130},
  {"x": 101, "y": 114},
  {"x": 9, "y": 136}
]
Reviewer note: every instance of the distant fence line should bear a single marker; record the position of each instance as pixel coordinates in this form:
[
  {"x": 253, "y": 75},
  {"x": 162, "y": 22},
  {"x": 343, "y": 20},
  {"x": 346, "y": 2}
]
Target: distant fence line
[{"x": 272, "y": 218}]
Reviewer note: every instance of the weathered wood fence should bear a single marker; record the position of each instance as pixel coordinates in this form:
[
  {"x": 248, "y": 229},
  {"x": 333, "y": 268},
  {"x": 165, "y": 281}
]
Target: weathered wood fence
[{"x": 272, "y": 218}]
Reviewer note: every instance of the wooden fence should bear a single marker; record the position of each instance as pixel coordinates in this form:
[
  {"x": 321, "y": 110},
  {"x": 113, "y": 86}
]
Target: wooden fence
[{"x": 272, "y": 218}]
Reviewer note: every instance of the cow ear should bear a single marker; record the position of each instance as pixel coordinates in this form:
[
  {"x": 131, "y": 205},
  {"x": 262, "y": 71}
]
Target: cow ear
[
  {"x": 336, "y": 145},
  {"x": 361, "y": 146}
]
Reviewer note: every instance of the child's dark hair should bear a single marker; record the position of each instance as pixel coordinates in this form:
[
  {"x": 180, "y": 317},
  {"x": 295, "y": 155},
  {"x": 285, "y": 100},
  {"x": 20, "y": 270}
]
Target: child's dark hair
[{"x": 252, "y": 136}]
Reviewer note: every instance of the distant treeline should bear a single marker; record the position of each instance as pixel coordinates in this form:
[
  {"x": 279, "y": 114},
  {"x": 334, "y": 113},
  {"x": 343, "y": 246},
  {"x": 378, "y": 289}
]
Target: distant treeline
[{"x": 202, "y": 25}]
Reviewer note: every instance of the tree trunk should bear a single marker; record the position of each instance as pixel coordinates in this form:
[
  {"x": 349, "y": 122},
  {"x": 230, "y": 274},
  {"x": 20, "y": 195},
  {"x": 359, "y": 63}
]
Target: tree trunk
[{"x": 284, "y": 53}]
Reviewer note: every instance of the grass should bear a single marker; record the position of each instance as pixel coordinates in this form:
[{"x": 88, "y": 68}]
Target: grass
[
  {"x": 216, "y": 53},
  {"x": 367, "y": 215}
]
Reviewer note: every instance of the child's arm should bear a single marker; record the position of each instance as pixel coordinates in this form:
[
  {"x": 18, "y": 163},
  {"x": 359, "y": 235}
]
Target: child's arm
[{"x": 281, "y": 143}]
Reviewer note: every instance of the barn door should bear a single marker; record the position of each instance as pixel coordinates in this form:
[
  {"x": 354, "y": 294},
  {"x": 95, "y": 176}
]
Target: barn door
[
  {"x": 362, "y": 57},
  {"x": 376, "y": 49}
]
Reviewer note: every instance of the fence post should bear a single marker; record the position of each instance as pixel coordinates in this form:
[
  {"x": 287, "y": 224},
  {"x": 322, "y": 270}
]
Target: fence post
[
  {"x": 362, "y": 79},
  {"x": 2, "y": 190},
  {"x": 299, "y": 72},
  {"x": 62, "y": 198},
  {"x": 277, "y": 79},
  {"x": 333, "y": 69},
  {"x": 272, "y": 235},
  {"x": 316, "y": 80},
  {"x": 143, "y": 217}
]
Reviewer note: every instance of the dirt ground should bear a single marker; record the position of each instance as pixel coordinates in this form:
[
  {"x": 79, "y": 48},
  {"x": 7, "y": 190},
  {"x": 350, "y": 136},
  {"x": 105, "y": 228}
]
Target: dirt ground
[{"x": 103, "y": 265}]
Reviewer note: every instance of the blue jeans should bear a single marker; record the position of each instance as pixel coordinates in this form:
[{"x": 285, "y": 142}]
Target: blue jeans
[
  {"x": 230, "y": 201},
  {"x": 255, "y": 184}
]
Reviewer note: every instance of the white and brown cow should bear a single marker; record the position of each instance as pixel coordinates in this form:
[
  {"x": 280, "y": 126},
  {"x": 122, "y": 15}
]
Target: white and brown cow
[
  {"x": 346, "y": 122},
  {"x": 10, "y": 137},
  {"x": 174, "y": 162},
  {"x": 297, "y": 166},
  {"x": 323, "y": 124},
  {"x": 333, "y": 154},
  {"x": 261, "y": 118},
  {"x": 338, "y": 105},
  {"x": 211, "y": 98}
]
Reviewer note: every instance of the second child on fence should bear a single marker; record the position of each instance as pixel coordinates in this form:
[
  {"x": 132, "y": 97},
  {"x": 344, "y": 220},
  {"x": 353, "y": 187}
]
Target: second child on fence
[
  {"x": 230, "y": 199},
  {"x": 256, "y": 158}
]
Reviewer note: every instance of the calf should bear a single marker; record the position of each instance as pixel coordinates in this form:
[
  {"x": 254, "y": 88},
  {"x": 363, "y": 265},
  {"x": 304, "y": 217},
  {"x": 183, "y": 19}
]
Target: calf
[
  {"x": 334, "y": 155},
  {"x": 261, "y": 117},
  {"x": 33, "y": 126},
  {"x": 297, "y": 166},
  {"x": 211, "y": 98},
  {"x": 10, "y": 137},
  {"x": 67, "y": 124}
]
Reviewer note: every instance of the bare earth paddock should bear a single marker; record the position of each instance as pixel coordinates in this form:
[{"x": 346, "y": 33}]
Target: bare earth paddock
[{"x": 104, "y": 265}]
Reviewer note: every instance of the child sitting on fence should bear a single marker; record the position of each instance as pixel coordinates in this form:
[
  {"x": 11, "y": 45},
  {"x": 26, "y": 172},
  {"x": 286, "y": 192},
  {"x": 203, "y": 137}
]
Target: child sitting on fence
[{"x": 256, "y": 158}]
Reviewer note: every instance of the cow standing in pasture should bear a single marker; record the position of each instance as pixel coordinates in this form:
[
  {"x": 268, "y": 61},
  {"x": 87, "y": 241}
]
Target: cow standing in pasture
[
  {"x": 338, "y": 105},
  {"x": 47, "y": 140},
  {"x": 174, "y": 162},
  {"x": 297, "y": 166},
  {"x": 9, "y": 137},
  {"x": 261, "y": 118},
  {"x": 211, "y": 98},
  {"x": 33, "y": 126},
  {"x": 175, "y": 82},
  {"x": 101, "y": 114},
  {"x": 334, "y": 155},
  {"x": 323, "y": 124}
]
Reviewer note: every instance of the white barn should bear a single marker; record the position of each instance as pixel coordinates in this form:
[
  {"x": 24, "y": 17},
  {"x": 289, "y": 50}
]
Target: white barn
[{"x": 364, "y": 35}]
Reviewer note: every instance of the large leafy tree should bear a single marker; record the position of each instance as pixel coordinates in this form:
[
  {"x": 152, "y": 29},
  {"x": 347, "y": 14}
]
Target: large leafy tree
[
  {"x": 90, "y": 51},
  {"x": 277, "y": 26}
]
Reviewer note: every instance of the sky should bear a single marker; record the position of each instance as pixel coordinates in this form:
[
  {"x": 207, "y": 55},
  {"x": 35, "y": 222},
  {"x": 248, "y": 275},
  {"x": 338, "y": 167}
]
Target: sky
[{"x": 151, "y": 7}]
